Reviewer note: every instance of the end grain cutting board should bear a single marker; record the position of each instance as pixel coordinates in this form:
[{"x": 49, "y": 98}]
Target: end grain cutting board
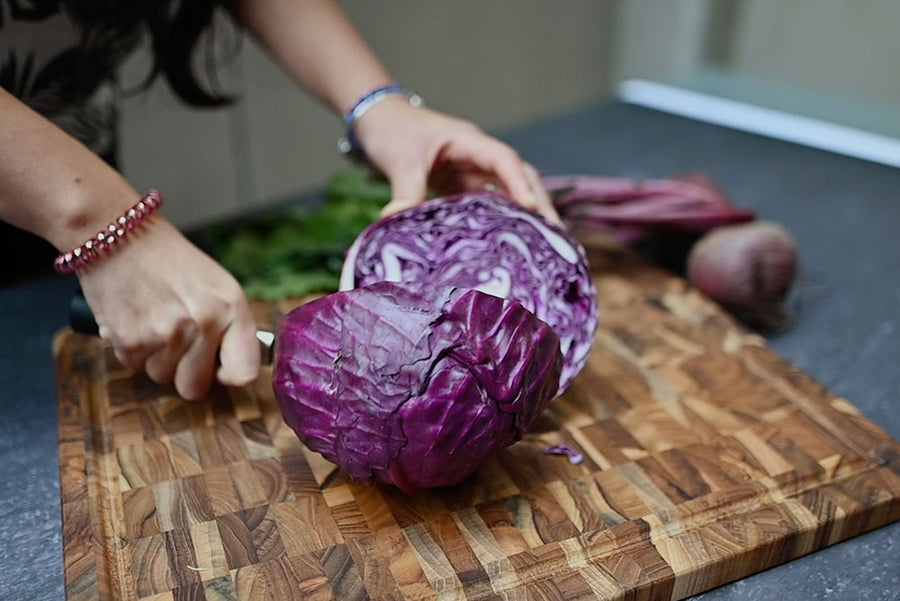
[{"x": 707, "y": 458}]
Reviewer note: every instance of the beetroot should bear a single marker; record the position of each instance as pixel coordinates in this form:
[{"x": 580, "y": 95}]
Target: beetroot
[{"x": 748, "y": 269}]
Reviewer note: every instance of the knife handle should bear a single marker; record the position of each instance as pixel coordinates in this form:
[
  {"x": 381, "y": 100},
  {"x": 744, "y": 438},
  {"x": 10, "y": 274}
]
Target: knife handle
[{"x": 81, "y": 318}]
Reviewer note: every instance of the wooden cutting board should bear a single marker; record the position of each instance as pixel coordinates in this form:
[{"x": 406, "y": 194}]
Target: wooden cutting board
[{"x": 707, "y": 458}]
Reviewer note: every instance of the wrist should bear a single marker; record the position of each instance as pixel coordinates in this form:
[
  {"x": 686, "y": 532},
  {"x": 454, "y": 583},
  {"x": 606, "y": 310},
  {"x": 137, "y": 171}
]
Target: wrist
[
  {"x": 81, "y": 211},
  {"x": 383, "y": 119},
  {"x": 111, "y": 238},
  {"x": 378, "y": 100},
  {"x": 351, "y": 96}
]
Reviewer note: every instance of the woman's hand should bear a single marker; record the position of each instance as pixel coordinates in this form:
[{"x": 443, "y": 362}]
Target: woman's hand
[
  {"x": 170, "y": 310},
  {"x": 417, "y": 148},
  {"x": 414, "y": 147},
  {"x": 166, "y": 307}
]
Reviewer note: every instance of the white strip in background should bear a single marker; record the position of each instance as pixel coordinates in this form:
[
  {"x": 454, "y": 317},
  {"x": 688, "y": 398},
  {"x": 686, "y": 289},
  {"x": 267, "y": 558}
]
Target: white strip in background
[{"x": 841, "y": 139}]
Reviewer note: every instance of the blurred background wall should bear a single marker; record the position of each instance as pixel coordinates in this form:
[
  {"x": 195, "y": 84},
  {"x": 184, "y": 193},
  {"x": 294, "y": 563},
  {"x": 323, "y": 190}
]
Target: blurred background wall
[
  {"x": 840, "y": 46},
  {"x": 503, "y": 63},
  {"x": 499, "y": 63}
]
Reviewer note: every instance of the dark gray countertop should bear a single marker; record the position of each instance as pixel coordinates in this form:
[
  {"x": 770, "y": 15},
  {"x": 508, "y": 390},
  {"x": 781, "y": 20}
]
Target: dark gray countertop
[{"x": 844, "y": 213}]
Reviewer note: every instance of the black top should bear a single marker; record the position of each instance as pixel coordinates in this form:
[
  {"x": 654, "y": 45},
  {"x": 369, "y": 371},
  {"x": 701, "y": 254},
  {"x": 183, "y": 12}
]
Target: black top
[{"x": 49, "y": 62}]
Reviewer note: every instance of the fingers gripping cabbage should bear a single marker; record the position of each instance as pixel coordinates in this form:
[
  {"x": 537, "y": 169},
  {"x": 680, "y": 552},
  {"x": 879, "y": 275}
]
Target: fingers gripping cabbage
[
  {"x": 485, "y": 242},
  {"x": 411, "y": 384}
]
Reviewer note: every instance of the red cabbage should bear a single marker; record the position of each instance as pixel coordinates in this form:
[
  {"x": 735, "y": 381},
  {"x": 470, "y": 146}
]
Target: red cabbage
[
  {"x": 413, "y": 385},
  {"x": 481, "y": 240}
]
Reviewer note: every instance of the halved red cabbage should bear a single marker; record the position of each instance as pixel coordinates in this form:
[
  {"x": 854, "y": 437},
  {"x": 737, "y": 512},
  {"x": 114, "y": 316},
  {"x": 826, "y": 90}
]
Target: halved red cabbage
[
  {"x": 413, "y": 385},
  {"x": 482, "y": 240}
]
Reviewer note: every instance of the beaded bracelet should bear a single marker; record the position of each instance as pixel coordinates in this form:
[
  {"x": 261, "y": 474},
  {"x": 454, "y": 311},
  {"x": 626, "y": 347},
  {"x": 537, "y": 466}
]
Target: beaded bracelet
[
  {"x": 106, "y": 240},
  {"x": 349, "y": 144}
]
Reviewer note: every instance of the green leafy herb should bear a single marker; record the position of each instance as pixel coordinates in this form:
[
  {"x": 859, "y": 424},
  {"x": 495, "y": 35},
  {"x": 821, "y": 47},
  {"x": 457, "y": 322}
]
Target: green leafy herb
[{"x": 300, "y": 251}]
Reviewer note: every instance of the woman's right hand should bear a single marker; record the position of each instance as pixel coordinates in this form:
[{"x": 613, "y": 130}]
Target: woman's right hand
[
  {"x": 170, "y": 310},
  {"x": 166, "y": 307}
]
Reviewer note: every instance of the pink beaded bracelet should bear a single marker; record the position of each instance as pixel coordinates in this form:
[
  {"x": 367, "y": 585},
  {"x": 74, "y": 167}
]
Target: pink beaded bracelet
[{"x": 106, "y": 240}]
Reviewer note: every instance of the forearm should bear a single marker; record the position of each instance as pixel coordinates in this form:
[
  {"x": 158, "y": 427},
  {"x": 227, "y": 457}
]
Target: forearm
[
  {"x": 50, "y": 184},
  {"x": 317, "y": 45}
]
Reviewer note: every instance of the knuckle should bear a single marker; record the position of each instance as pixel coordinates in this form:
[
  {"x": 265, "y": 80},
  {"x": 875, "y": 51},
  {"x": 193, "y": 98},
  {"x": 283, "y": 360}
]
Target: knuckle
[
  {"x": 179, "y": 327},
  {"x": 185, "y": 328},
  {"x": 237, "y": 304},
  {"x": 129, "y": 342},
  {"x": 209, "y": 316},
  {"x": 169, "y": 329},
  {"x": 470, "y": 127},
  {"x": 232, "y": 293},
  {"x": 128, "y": 359},
  {"x": 511, "y": 154},
  {"x": 206, "y": 321}
]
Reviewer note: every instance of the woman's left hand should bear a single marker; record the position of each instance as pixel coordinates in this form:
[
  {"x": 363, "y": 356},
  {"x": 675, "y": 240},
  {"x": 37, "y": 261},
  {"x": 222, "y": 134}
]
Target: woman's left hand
[{"x": 417, "y": 148}]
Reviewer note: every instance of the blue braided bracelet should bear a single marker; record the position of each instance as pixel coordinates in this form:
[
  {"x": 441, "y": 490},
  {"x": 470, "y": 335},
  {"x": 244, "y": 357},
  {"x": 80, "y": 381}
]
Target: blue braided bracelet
[{"x": 349, "y": 145}]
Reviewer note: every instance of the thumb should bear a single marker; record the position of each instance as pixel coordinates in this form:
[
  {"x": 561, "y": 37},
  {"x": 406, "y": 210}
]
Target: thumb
[{"x": 408, "y": 188}]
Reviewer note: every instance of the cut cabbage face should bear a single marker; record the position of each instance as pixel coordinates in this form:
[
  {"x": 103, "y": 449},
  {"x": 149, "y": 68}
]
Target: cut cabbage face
[{"x": 484, "y": 241}]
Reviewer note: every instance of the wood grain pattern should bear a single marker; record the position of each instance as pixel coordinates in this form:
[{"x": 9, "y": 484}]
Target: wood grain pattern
[{"x": 707, "y": 457}]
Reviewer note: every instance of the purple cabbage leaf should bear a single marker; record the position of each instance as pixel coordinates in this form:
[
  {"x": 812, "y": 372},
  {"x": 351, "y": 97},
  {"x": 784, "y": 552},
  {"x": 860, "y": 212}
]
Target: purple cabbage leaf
[{"x": 413, "y": 384}]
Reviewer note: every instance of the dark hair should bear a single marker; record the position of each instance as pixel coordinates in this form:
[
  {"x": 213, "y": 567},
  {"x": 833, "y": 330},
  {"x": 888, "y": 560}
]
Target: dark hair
[{"x": 112, "y": 28}]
